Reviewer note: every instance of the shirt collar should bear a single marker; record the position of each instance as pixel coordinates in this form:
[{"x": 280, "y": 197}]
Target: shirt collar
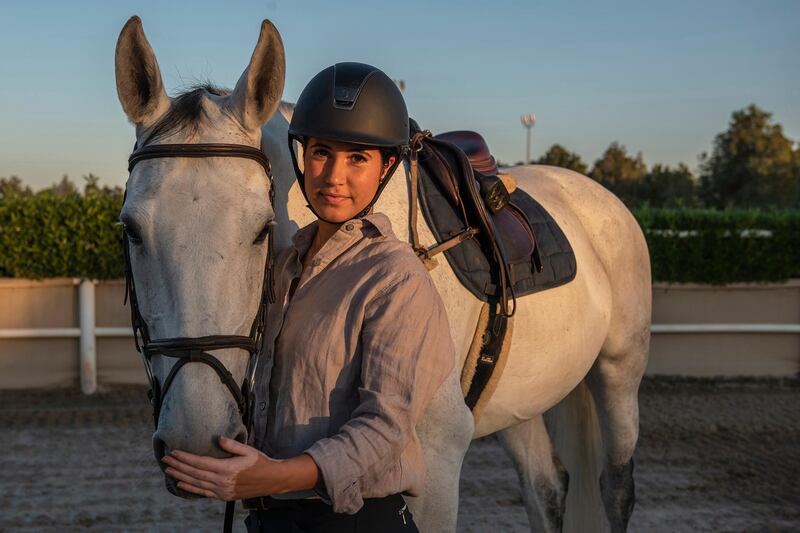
[
  {"x": 380, "y": 222},
  {"x": 349, "y": 232},
  {"x": 303, "y": 237},
  {"x": 301, "y": 240}
]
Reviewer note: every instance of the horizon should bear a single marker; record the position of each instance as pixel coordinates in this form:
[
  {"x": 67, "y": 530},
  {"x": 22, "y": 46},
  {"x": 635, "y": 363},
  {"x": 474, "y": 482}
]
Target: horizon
[{"x": 660, "y": 80}]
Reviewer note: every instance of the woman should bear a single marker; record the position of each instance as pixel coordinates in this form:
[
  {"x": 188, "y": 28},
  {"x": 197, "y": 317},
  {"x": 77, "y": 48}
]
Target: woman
[{"x": 359, "y": 335}]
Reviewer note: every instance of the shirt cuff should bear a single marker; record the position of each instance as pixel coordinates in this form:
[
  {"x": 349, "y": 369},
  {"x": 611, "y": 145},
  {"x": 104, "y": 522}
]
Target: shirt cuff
[{"x": 343, "y": 491}]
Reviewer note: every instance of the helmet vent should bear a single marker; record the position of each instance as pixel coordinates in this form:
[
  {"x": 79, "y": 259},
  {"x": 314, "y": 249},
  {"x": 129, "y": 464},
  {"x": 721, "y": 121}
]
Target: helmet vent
[{"x": 347, "y": 84}]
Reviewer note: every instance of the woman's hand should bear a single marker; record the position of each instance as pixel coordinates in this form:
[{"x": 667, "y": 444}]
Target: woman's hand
[{"x": 247, "y": 474}]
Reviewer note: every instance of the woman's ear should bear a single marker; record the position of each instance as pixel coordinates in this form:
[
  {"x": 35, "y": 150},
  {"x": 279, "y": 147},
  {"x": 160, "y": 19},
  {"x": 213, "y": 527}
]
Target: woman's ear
[{"x": 387, "y": 166}]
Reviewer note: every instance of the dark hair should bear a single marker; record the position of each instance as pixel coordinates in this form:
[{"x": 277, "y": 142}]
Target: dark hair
[{"x": 386, "y": 153}]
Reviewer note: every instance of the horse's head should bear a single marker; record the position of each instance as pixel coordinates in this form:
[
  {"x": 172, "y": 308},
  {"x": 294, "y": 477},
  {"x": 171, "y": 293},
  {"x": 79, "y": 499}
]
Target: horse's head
[{"x": 196, "y": 230}]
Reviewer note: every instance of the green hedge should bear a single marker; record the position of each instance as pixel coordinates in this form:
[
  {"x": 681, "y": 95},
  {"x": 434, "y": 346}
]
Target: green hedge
[
  {"x": 719, "y": 247},
  {"x": 49, "y": 235},
  {"x": 76, "y": 235}
]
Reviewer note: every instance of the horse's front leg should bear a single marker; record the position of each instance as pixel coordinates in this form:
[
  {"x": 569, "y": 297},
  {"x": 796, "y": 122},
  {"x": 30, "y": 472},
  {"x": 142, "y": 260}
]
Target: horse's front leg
[{"x": 445, "y": 432}]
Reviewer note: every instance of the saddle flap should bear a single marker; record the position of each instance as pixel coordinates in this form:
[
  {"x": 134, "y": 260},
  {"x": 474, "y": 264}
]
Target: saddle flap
[
  {"x": 517, "y": 248},
  {"x": 515, "y": 232},
  {"x": 438, "y": 167}
]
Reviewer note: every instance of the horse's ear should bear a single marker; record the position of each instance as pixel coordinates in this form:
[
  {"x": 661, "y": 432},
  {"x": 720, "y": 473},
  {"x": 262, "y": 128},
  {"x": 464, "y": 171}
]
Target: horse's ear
[
  {"x": 259, "y": 89},
  {"x": 139, "y": 85}
]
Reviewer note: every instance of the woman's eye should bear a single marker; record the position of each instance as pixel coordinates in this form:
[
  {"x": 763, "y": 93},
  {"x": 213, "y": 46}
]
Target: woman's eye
[
  {"x": 358, "y": 158},
  {"x": 319, "y": 152}
]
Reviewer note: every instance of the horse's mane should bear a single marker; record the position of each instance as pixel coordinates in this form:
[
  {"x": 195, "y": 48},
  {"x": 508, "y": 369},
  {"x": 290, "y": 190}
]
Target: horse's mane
[{"x": 184, "y": 112}]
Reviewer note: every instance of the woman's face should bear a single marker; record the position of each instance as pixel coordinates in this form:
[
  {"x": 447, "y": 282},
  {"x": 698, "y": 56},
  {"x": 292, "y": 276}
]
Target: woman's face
[{"x": 341, "y": 178}]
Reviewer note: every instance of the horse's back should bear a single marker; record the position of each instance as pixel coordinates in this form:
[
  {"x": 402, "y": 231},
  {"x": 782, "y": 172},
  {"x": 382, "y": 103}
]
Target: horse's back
[
  {"x": 608, "y": 225},
  {"x": 605, "y": 222}
]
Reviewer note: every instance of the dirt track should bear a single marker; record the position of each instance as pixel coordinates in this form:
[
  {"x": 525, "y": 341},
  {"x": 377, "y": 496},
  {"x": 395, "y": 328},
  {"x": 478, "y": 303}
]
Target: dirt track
[{"x": 713, "y": 456}]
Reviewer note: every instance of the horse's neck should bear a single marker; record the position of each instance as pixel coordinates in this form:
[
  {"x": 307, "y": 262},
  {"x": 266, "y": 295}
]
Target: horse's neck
[
  {"x": 394, "y": 203},
  {"x": 290, "y": 211}
]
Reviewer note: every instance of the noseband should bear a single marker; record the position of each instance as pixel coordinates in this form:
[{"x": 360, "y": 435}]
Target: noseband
[{"x": 196, "y": 349}]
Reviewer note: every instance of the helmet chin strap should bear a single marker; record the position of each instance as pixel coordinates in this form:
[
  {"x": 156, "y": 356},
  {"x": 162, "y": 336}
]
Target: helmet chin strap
[{"x": 301, "y": 180}]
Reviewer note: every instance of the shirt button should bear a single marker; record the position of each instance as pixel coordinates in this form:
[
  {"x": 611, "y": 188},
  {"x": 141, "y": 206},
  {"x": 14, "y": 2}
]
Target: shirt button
[
  {"x": 349, "y": 227},
  {"x": 262, "y": 405}
]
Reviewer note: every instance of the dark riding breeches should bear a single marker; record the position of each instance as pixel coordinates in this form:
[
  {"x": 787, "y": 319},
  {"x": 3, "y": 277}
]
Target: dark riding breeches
[{"x": 384, "y": 515}]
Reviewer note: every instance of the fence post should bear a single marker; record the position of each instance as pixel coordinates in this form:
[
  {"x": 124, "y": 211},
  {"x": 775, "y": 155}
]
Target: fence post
[{"x": 88, "y": 341}]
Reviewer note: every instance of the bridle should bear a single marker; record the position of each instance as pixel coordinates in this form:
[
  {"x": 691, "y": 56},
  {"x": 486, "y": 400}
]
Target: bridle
[{"x": 196, "y": 349}]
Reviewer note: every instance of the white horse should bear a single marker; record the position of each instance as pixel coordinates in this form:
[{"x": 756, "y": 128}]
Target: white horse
[{"x": 578, "y": 351}]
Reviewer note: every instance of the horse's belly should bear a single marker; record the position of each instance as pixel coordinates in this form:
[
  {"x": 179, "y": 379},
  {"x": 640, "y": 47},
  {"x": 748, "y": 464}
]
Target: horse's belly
[{"x": 557, "y": 336}]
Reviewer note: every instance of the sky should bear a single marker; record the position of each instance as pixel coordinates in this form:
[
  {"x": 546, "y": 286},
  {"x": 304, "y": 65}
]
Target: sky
[{"x": 662, "y": 78}]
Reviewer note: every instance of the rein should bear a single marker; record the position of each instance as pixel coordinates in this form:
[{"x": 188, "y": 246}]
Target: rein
[{"x": 196, "y": 349}]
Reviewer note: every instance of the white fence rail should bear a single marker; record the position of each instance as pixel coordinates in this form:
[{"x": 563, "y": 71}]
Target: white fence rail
[{"x": 87, "y": 332}]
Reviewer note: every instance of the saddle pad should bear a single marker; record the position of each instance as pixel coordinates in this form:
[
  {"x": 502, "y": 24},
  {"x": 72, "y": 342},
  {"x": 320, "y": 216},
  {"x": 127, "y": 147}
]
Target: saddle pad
[{"x": 469, "y": 259}]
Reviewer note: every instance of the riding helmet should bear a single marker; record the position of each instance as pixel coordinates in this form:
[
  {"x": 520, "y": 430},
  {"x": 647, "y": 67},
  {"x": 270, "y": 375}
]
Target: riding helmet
[{"x": 355, "y": 103}]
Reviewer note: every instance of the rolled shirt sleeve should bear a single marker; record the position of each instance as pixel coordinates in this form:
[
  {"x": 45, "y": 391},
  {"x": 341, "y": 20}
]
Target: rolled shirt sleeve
[{"x": 407, "y": 352}]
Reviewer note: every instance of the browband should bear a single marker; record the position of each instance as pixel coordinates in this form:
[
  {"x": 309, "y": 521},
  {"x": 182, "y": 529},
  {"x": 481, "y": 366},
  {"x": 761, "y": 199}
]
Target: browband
[{"x": 199, "y": 150}]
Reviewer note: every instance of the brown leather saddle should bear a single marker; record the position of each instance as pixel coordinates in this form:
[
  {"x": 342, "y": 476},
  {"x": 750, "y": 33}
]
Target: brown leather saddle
[
  {"x": 508, "y": 246},
  {"x": 511, "y": 227}
]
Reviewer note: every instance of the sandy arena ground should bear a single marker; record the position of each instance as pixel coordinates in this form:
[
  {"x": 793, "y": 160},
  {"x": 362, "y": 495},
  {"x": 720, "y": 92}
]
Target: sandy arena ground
[{"x": 713, "y": 456}]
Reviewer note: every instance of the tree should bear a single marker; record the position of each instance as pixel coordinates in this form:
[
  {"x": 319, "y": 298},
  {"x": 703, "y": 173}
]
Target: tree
[
  {"x": 620, "y": 173},
  {"x": 558, "y": 156},
  {"x": 10, "y": 187},
  {"x": 752, "y": 164},
  {"x": 63, "y": 188},
  {"x": 664, "y": 186}
]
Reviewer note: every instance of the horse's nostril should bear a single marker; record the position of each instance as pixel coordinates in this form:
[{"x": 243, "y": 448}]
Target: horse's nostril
[{"x": 241, "y": 436}]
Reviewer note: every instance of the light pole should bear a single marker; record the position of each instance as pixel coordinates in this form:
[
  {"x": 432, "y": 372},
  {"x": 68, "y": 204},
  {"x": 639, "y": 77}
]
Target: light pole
[{"x": 528, "y": 121}]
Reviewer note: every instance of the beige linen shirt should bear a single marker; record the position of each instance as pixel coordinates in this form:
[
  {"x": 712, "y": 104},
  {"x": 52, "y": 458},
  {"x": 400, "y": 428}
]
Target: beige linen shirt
[{"x": 352, "y": 359}]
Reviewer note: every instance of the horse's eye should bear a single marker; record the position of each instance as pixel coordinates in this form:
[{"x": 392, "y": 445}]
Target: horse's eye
[
  {"x": 132, "y": 233},
  {"x": 262, "y": 236}
]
